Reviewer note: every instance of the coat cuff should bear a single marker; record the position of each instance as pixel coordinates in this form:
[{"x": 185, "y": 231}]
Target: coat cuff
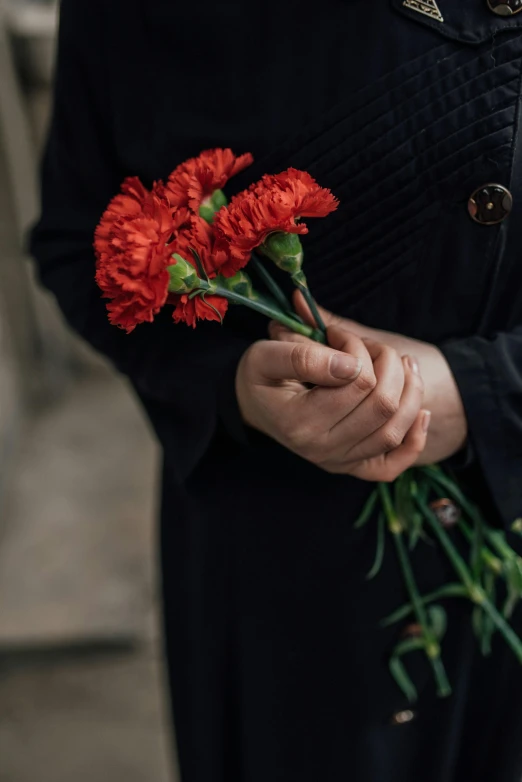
[{"x": 486, "y": 381}]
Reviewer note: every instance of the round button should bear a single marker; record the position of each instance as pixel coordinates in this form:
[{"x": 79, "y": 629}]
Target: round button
[
  {"x": 403, "y": 717},
  {"x": 490, "y": 204},
  {"x": 447, "y": 512},
  {"x": 505, "y": 7}
]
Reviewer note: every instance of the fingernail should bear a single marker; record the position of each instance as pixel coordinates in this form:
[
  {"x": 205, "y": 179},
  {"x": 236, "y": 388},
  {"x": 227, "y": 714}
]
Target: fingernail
[
  {"x": 426, "y": 421},
  {"x": 413, "y": 364},
  {"x": 345, "y": 367}
]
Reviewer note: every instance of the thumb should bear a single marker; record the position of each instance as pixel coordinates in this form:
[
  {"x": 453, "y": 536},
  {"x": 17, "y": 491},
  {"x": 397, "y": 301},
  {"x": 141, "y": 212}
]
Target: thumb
[{"x": 305, "y": 362}]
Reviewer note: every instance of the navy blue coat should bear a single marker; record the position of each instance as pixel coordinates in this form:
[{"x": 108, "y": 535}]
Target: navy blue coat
[{"x": 278, "y": 667}]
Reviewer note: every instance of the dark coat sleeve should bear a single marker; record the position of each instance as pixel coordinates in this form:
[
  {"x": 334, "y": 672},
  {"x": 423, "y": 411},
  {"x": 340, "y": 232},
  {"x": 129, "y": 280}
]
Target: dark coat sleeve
[
  {"x": 186, "y": 374},
  {"x": 489, "y": 376}
]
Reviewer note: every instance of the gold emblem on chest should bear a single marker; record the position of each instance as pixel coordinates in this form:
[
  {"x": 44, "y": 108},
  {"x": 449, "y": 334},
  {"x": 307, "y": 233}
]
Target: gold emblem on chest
[{"x": 426, "y": 7}]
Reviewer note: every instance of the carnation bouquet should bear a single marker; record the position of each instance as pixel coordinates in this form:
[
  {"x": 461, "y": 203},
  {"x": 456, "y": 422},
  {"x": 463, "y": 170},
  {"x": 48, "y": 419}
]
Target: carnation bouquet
[{"x": 182, "y": 245}]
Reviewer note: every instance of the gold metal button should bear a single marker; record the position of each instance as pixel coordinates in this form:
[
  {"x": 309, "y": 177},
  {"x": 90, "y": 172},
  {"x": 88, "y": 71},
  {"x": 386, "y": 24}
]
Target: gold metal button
[
  {"x": 403, "y": 717},
  {"x": 505, "y": 7},
  {"x": 490, "y": 204}
]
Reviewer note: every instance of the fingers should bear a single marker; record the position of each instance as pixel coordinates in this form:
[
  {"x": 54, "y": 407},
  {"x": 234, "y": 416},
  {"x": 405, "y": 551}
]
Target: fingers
[
  {"x": 336, "y": 405},
  {"x": 331, "y": 405},
  {"x": 392, "y": 434},
  {"x": 407, "y": 454},
  {"x": 378, "y": 407},
  {"x": 393, "y": 464},
  {"x": 269, "y": 363}
]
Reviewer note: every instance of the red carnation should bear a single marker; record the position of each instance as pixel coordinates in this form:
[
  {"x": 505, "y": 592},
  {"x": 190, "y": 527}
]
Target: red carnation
[
  {"x": 196, "y": 180},
  {"x": 127, "y": 204},
  {"x": 211, "y": 250},
  {"x": 133, "y": 254},
  {"x": 273, "y": 204}
]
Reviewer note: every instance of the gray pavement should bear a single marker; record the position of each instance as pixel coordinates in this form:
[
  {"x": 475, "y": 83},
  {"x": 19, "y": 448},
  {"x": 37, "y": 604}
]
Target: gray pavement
[{"x": 82, "y": 694}]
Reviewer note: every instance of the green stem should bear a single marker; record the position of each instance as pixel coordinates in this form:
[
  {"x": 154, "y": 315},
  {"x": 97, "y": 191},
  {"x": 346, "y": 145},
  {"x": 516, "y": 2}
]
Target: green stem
[
  {"x": 497, "y": 540},
  {"x": 305, "y": 290},
  {"x": 432, "y": 647},
  {"x": 266, "y": 307},
  {"x": 271, "y": 285},
  {"x": 450, "y": 590},
  {"x": 476, "y": 592},
  {"x": 393, "y": 520},
  {"x": 492, "y": 562},
  {"x": 436, "y": 475}
]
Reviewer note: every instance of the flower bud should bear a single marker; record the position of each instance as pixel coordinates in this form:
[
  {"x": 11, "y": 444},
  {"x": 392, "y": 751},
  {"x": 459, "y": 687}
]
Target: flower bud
[
  {"x": 240, "y": 283},
  {"x": 285, "y": 250},
  {"x": 211, "y": 205},
  {"x": 183, "y": 276}
]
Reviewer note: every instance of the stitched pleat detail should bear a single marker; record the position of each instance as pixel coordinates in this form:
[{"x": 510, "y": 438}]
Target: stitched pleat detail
[{"x": 397, "y": 151}]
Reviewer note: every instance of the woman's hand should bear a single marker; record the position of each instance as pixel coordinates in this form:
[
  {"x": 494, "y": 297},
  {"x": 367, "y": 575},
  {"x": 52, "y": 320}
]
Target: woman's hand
[
  {"x": 362, "y": 416},
  {"x": 448, "y": 428}
]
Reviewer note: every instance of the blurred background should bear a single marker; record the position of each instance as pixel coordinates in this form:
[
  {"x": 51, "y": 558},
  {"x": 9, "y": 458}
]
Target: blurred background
[{"x": 81, "y": 669}]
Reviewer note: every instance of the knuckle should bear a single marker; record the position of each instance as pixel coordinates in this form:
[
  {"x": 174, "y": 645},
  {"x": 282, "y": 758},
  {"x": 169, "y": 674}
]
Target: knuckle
[
  {"x": 366, "y": 382},
  {"x": 390, "y": 353},
  {"x": 391, "y": 438},
  {"x": 386, "y": 406},
  {"x": 303, "y": 358}
]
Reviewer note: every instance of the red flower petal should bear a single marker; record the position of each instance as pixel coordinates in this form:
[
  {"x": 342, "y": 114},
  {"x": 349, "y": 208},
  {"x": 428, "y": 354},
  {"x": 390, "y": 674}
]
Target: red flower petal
[
  {"x": 189, "y": 311},
  {"x": 196, "y": 179},
  {"x": 131, "y": 245},
  {"x": 203, "y": 239},
  {"x": 275, "y": 203}
]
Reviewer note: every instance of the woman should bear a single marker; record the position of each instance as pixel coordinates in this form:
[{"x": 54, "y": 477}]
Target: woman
[{"x": 409, "y": 111}]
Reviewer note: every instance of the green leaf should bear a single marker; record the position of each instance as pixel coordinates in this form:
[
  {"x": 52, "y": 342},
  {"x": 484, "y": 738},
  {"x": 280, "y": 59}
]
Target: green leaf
[
  {"x": 476, "y": 559},
  {"x": 379, "y": 553},
  {"x": 398, "y": 669},
  {"x": 416, "y": 530},
  {"x": 438, "y": 621},
  {"x": 367, "y": 510},
  {"x": 199, "y": 266},
  {"x": 449, "y": 590},
  {"x": 513, "y": 577}
]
